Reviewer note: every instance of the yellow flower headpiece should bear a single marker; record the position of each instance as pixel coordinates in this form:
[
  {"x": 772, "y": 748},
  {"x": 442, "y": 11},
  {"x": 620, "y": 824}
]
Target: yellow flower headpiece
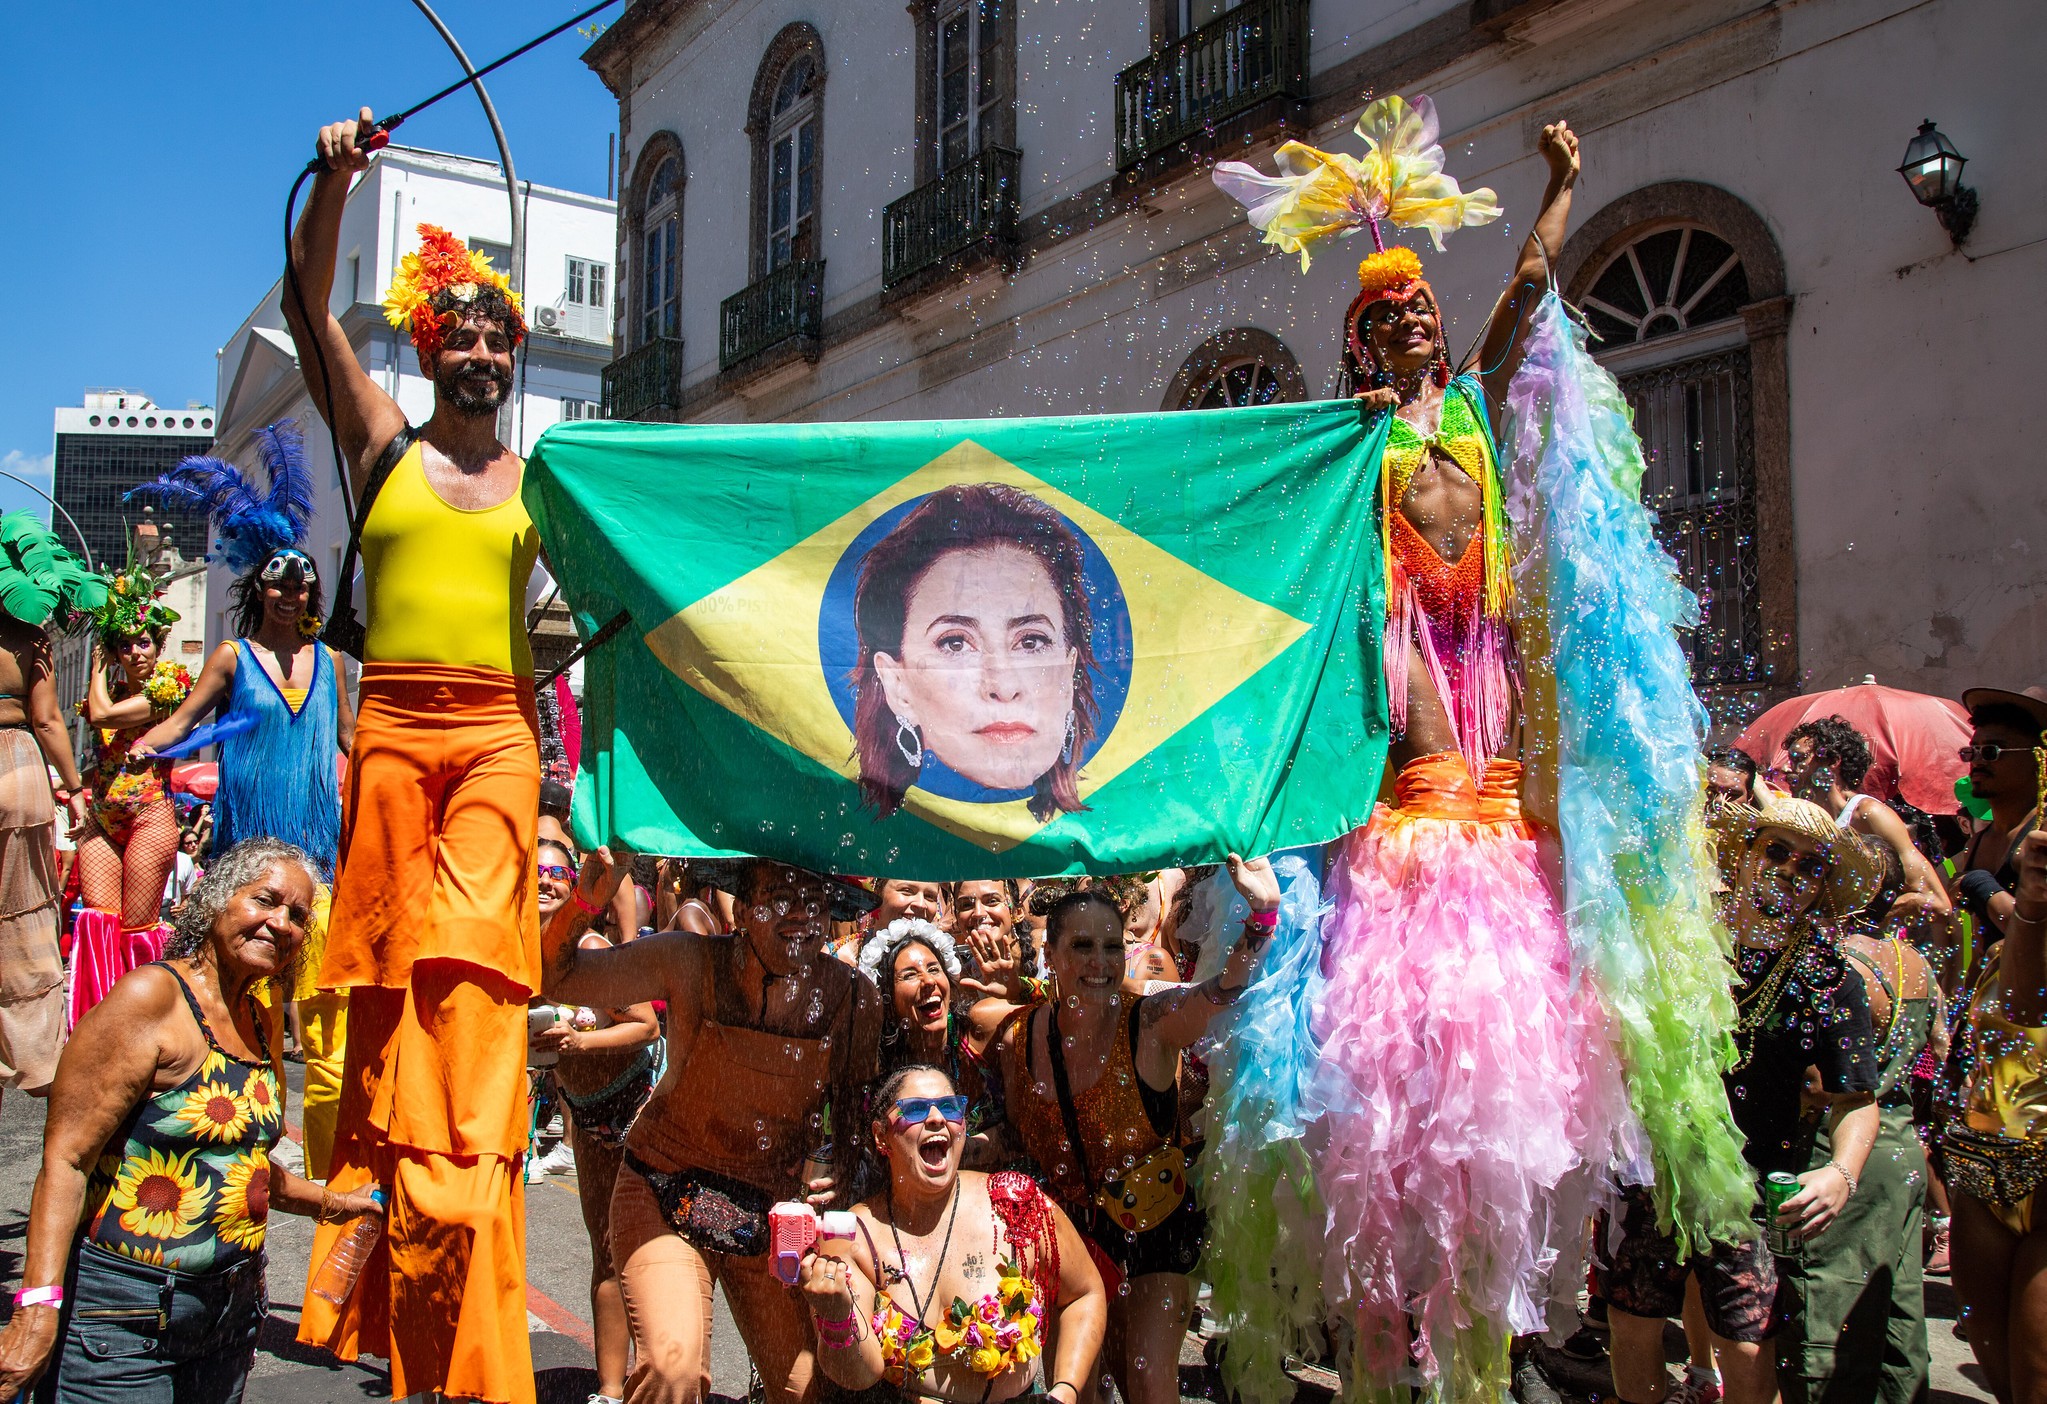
[
  {"x": 1394, "y": 272},
  {"x": 443, "y": 264},
  {"x": 1323, "y": 195}
]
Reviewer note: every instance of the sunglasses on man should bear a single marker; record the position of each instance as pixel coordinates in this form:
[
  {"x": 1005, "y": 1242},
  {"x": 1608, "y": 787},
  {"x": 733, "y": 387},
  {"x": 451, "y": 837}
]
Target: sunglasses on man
[
  {"x": 1989, "y": 752},
  {"x": 910, "y": 1111}
]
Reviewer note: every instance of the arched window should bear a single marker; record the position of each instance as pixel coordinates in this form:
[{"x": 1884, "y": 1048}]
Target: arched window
[
  {"x": 1665, "y": 283},
  {"x": 1665, "y": 302},
  {"x": 661, "y": 252},
  {"x": 789, "y": 197},
  {"x": 1239, "y": 367}
]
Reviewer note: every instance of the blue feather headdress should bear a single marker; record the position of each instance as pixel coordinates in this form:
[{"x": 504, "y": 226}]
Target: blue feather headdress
[{"x": 249, "y": 527}]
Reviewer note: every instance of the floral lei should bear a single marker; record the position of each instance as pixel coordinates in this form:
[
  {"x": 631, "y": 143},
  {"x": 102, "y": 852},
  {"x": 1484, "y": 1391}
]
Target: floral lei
[{"x": 991, "y": 1337}]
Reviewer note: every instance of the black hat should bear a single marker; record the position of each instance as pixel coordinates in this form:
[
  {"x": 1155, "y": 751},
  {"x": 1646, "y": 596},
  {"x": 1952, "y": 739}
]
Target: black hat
[
  {"x": 850, "y": 901},
  {"x": 555, "y": 797}
]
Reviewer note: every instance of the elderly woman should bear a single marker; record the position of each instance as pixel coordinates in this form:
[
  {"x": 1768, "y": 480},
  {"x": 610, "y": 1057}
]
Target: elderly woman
[
  {"x": 957, "y": 1280},
  {"x": 144, "y": 1272}
]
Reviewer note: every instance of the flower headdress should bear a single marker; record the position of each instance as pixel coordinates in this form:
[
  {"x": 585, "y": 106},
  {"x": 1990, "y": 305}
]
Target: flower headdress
[
  {"x": 436, "y": 281},
  {"x": 130, "y": 606},
  {"x": 880, "y": 949},
  {"x": 39, "y": 577},
  {"x": 251, "y": 527}
]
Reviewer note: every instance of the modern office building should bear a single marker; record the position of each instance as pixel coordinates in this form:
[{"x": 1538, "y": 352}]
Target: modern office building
[{"x": 116, "y": 439}]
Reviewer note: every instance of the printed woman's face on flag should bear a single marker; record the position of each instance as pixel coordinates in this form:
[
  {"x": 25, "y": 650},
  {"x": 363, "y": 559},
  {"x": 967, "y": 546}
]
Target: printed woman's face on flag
[
  {"x": 985, "y": 670},
  {"x": 974, "y": 646}
]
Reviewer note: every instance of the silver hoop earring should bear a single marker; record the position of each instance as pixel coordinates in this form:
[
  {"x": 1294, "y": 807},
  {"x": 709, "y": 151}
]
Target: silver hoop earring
[
  {"x": 1066, "y": 752},
  {"x": 910, "y": 742}
]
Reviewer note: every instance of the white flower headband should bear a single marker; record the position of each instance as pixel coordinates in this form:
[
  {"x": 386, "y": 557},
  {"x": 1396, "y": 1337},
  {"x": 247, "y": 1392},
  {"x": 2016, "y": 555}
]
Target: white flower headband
[{"x": 880, "y": 948}]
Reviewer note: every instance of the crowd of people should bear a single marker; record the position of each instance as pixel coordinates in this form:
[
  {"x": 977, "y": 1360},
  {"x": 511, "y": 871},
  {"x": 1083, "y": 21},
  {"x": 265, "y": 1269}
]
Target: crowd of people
[{"x": 966, "y": 1140}]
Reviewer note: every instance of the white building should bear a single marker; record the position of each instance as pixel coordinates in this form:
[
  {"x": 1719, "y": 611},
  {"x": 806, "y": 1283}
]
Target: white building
[
  {"x": 566, "y": 284},
  {"x": 1002, "y": 207}
]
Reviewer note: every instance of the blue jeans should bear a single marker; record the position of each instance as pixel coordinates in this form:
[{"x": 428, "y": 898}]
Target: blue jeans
[{"x": 148, "y": 1335}]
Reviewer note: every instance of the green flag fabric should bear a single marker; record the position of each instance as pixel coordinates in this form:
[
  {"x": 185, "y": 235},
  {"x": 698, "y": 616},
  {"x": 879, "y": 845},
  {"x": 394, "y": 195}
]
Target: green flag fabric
[{"x": 975, "y": 648}]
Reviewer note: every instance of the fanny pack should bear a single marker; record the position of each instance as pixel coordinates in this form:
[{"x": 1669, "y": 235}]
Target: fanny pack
[
  {"x": 1145, "y": 1195},
  {"x": 707, "y": 1210}
]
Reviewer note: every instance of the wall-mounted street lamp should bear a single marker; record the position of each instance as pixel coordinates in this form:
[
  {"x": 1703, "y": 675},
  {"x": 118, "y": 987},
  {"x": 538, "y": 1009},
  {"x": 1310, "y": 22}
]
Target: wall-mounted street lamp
[{"x": 1933, "y": 168}]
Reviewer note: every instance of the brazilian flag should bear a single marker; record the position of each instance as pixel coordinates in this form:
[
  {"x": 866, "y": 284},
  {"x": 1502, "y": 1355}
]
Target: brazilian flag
[{"x": 975, "y": 648}]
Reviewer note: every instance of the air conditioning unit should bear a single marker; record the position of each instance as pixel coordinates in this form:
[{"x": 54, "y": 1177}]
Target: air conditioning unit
[{"x": 548, "y": 318}]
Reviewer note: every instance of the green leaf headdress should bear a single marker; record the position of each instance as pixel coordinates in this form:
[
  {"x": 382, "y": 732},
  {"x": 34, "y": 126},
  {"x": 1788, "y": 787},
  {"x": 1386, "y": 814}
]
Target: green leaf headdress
[
  {"x": 39, "y": 577},
  {"x": 129, "y": 606}
]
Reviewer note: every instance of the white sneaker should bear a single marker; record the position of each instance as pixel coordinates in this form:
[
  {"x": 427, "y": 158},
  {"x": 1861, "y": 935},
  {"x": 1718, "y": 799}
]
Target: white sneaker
[
  {"x": 559, "y": 1161},
  {"x": 1695, "y": 1388}
]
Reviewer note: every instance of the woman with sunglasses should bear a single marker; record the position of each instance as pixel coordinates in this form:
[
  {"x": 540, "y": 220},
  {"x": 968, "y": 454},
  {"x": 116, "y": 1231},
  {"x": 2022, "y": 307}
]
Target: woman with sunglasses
[
  {"x": 960, "y": 1288},
  {"x": 279, "y": 775}
]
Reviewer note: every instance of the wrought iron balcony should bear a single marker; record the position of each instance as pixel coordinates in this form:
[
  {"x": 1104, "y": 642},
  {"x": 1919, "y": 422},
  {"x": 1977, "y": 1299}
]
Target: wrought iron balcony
[
  {"x": 646, "y": 378},
  {"x": 1258, "y": 50},
  {"x": 972, "y": 205},
  {"x": 787, "y": 305}
]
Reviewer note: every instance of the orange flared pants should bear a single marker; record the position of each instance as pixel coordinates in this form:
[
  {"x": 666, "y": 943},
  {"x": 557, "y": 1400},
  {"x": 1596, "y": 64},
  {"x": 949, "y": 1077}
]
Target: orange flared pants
[{"x": 435, "y": 936}]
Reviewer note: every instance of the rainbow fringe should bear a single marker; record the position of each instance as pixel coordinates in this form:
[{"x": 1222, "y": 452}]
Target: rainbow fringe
[{"x": 1616, "y": 737}]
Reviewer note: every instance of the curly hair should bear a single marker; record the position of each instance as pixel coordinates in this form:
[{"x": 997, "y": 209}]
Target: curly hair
[
  {"x": 244, "y": 864},
  {"x": 1834, "y": 740}
]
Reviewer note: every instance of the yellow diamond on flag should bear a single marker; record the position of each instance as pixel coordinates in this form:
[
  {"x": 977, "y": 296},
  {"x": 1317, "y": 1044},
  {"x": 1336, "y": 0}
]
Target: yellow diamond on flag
[{"x": 752, "y": 647}]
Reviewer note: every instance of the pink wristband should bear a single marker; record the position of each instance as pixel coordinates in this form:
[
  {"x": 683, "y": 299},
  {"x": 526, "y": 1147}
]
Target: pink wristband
[
  {"x": 1268, "y": 920},
  {"x": 576, "y": 894},
  {"x": 52, "y": 1295}
]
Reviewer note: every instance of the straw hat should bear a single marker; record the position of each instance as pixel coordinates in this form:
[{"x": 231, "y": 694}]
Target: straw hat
[{"x": 1853, "y": 874}]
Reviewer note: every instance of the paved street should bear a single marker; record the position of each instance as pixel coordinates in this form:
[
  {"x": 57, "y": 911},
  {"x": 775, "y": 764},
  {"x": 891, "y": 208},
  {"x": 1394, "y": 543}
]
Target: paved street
[{"x": 558, "y": 1304}]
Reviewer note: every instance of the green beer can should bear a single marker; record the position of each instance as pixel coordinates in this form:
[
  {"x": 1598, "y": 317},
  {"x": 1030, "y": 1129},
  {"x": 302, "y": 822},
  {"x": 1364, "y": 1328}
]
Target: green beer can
[{"x": 1783, "y": 1242}]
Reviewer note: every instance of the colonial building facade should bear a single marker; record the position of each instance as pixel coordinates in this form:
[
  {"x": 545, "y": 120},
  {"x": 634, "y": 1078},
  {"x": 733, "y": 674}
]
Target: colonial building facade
[{"x": 1002, "y": 207}]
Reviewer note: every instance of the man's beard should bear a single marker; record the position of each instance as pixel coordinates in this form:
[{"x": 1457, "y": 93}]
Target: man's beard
[{"x": 474, "y": 390}]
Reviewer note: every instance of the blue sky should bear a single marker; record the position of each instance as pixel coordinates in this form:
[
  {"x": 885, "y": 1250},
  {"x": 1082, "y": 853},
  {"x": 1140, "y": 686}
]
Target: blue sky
[{"x": 151, "y": 147}]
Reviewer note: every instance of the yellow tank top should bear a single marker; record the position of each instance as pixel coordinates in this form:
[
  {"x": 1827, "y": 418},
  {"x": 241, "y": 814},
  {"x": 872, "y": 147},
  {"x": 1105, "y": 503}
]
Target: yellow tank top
[{"x": 444, "y": 585}]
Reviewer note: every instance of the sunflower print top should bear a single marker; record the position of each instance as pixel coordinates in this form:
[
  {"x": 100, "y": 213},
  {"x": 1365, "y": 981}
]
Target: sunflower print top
[{"x": 189, "y": 1186}]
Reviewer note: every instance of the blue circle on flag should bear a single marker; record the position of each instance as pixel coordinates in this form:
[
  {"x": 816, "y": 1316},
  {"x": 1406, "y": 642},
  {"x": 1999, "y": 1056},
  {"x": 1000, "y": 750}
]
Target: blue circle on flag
[{"x": 839, "y": 649}]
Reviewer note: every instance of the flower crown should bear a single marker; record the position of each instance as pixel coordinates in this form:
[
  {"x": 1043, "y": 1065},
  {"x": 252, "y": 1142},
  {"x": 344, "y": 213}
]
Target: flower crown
[
  {"x": 443, "y": 264},
  {"x": 880, "y": 948}
]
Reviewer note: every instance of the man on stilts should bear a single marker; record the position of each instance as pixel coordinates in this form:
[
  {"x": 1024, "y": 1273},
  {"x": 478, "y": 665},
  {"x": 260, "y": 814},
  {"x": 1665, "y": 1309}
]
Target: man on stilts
[{"x": 435, "y": 929}]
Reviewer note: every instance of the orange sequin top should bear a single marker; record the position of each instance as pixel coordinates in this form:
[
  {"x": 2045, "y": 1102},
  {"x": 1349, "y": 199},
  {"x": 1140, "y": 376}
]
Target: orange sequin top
[
  {"x": 1461, "y": 586},
  {"x": 1114, "y": 1124}
]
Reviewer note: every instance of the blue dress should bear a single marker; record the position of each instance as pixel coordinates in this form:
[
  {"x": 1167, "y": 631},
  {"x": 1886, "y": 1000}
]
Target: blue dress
[{"x": 279, "y": 777}]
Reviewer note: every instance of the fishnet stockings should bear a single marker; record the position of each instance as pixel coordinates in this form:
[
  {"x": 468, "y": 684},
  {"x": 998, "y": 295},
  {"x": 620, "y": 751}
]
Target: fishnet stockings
[{"x": 131, "y": 882}]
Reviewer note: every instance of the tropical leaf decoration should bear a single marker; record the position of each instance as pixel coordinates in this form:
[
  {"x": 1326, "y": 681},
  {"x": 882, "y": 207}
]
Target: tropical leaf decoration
[
  {"x": 40, "y": 577},
  {"x": 250, "y": 526}
]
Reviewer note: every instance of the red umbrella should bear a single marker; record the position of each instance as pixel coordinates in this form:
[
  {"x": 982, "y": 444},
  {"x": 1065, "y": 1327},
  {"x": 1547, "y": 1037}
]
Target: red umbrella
[
  {"x": 1912, "y": 737},
  {"x": 200, "y": 778}
]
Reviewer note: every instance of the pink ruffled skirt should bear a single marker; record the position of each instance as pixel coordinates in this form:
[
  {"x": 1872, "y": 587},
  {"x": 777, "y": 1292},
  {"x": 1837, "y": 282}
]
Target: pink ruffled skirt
[
  {"x": 101, "y": 953},
  {"x": 1470, "y": 1096}
]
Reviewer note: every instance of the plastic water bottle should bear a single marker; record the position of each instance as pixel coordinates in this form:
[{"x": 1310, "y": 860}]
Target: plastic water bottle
[{"x": 337, "y": 1276}]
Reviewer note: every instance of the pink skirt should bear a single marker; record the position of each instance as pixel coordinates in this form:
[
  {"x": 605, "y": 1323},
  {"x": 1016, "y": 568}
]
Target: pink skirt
[
  {"x": 1472, "y": 1100},
  {"x": 101, "y": 953}
]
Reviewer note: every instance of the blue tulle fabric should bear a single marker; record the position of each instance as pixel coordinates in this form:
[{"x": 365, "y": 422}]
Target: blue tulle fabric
[
  {"x": 1616, "y": 763},
  {"x": 1265, "y": 1219}
]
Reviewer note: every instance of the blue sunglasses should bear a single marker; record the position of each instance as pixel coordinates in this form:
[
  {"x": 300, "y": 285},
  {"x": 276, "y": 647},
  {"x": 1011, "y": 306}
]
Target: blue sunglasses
[{"x": 911, "y": 1110}]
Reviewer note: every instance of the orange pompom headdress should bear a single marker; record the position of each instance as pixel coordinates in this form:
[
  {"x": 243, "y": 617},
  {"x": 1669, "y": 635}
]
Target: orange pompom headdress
[
  {"x": 1390, "y": 275},
  {"x": 438, "y": 281}
]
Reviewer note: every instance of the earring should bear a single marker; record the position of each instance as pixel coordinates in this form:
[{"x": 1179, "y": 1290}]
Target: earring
[
  {"x": 910, "y": 742},
  {"x": 1440, "y": 372},
  {"x": 1066, "y": 752}
]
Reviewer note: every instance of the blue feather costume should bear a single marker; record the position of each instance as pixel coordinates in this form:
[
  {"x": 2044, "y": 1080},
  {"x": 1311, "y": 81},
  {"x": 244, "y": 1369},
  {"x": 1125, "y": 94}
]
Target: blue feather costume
[{"x": 278, "y": 776}]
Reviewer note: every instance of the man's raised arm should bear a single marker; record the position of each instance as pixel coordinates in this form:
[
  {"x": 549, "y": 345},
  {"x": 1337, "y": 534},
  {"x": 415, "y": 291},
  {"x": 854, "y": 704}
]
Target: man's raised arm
[{"x": 364, "y": 417}]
